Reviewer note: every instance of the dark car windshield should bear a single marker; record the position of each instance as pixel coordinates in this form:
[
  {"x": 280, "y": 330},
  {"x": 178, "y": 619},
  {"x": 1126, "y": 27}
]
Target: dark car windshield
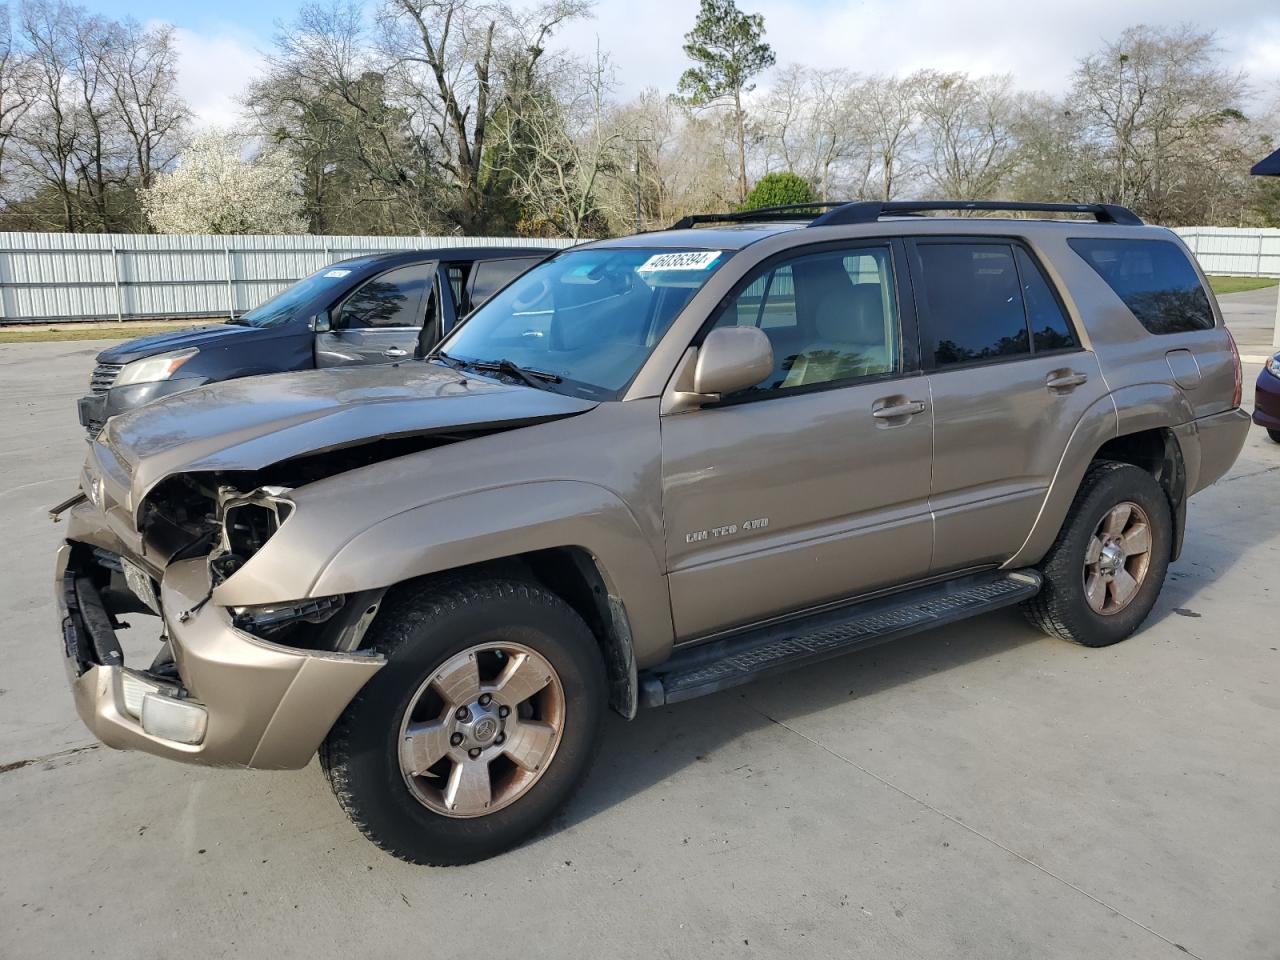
[
  {"x": 591, "y": 317},
  {"x": 284, "y": 306}
]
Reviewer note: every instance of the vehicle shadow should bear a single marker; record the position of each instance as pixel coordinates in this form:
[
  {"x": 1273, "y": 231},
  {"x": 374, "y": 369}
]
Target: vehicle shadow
[{"x": 642, "y": 754}]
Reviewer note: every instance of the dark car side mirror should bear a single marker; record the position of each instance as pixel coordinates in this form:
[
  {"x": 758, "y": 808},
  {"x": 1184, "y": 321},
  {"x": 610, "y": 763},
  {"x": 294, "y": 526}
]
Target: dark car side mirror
[{"x": 320, "y": 323}]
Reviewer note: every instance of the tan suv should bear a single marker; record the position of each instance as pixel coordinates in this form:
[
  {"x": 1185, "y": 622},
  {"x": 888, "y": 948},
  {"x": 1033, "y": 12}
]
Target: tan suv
[{"x": 648, "y": 469}]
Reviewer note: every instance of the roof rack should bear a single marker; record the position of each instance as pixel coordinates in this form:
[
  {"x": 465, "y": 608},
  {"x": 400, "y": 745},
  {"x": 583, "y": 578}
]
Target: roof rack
[
  {"x": 789, "y": 211},
  {"x": 869, "y": 211}
]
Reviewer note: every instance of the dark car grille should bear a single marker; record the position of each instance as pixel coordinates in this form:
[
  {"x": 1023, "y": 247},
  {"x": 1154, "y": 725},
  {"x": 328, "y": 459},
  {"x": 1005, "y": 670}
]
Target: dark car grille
[{"x": 103, "y": 376}]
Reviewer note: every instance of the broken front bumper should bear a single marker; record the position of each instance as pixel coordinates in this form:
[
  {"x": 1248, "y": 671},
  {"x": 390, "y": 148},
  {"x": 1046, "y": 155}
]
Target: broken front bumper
[{"x": 242, "y": 701}]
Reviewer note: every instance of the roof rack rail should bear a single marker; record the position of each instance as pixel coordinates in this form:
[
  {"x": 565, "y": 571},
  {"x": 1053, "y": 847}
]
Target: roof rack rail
[
  {"x": 789, "y": 211},
  {"x": 869, "y": 211}
]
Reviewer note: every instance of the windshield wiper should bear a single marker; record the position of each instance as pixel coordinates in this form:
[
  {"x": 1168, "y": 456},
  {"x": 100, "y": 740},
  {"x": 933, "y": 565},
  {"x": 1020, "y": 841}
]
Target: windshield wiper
[
  {"x": 456, "y": 363},
  {"x": 534, "y": 378}
]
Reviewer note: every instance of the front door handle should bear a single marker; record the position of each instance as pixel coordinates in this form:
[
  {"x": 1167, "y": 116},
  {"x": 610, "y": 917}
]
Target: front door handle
[
  {"x": 395, "y": 353},
  {"x": 1065, "y": 380},
  {"x": 904, "y": 409}
]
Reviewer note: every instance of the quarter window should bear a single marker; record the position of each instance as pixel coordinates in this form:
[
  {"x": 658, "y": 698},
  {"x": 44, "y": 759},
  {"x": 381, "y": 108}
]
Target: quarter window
[
  {"x": 830, "y": 317},
  {"x": 1155, "y": 280},
  {"x": 1049, "y": 327},
  {"x": 393, "y": 299}
]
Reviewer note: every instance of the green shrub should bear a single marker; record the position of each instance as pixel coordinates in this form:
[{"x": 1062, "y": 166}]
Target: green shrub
[{"x": 776, "y": 189}]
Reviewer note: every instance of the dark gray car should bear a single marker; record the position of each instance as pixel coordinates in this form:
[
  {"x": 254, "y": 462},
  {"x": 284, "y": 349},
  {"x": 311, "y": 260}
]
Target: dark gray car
[{"x": 370, "y": 309}]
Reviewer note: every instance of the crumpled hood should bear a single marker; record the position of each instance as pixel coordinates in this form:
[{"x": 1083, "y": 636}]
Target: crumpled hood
[{"x": 252, "y": 423}]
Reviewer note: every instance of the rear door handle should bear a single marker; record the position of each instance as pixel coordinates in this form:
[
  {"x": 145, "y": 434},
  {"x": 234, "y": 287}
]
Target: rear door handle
[
  {"x": 907, "y": 409},
  {"x": 1068, "y": 380},
  {"x": 395, "y": 353}
]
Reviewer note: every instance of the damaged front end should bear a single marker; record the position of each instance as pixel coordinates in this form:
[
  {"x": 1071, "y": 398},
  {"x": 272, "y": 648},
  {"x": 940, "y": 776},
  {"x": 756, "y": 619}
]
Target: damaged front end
[{"x": 255, "y": 686}]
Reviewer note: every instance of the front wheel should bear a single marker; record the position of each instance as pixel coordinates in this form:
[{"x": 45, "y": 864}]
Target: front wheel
[
  {"x": 1104, "y": 572},
  {"x": 1273, "y": 434},
  {"x": 480, "y": 726}
]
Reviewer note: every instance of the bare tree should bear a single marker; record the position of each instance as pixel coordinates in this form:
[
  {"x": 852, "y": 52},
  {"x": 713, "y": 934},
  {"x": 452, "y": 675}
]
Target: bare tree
[
  {"x": 886, "y": 108},
  {"x": 566, "y": 145},
  {"x": 967, "y": 136},
  {"x": 142, "y": 69},
  {"x": 15, "y": 89},
  {"x": 459, "y": 64},
  {"x": 1154, "y": 102}
]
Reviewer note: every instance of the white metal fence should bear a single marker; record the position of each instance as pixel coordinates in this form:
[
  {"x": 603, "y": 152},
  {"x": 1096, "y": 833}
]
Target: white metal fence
[
  {"x": 1235, "y": 251},
  {"x": 110, "y": 276}
]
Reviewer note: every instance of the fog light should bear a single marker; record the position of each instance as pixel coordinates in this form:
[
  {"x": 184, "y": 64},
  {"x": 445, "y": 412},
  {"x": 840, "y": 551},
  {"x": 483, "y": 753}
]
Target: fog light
[
  {"x": 170, "y": 719},
  {"x": 135, "y": 688}
]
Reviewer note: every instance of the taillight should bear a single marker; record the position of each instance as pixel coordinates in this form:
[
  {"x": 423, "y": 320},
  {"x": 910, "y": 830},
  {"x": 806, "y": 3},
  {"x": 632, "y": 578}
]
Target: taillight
[{"x": 1238, "y": 395}]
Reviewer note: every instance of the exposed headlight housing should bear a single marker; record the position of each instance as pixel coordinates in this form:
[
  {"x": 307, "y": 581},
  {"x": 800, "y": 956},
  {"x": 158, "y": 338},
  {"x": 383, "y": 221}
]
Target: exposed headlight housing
[
  {"x": 1273, "y": 366},
  {"x": 153, "y": 369},
  {"x": 248, "y": 522}
]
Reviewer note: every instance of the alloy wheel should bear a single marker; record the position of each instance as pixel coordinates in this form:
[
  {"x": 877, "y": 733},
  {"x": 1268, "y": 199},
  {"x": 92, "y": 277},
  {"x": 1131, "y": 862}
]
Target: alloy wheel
[{"x": 481, "y": 729}]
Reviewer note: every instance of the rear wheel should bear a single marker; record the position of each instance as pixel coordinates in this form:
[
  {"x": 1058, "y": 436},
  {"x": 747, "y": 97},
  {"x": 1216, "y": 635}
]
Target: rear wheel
[
  {"x": 1103, "y": 574},
  {"x": 1273, "y": 434},
  {"x": 480, "y": 726}
]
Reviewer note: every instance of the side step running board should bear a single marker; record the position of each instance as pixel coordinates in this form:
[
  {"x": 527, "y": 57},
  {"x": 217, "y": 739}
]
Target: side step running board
[{"x": 719, "y": 664}]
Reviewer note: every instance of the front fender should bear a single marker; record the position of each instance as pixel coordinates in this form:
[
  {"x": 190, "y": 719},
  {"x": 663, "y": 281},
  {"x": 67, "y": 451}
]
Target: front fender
[{"x": 507, "y": 521}]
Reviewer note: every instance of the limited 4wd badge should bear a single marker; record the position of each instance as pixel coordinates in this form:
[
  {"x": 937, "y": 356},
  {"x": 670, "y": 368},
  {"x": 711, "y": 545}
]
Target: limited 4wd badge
[{"x": 699, "y": 535}]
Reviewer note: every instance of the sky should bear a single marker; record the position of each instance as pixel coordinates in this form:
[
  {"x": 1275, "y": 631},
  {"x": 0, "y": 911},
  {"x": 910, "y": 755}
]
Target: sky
[{"x": 1038, "y": 41}]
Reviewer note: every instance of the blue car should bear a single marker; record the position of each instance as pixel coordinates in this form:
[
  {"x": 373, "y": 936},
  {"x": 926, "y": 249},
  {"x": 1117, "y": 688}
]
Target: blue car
[{"x": 370, "y": 309}]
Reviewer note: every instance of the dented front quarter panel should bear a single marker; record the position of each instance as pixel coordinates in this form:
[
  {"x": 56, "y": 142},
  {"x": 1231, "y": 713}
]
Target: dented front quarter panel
[{"x": 588, "y": 482}]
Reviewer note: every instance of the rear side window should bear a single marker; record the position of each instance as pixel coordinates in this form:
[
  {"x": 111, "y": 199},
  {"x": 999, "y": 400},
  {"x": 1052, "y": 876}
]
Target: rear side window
[
  {"x": 1153, "y": 278},
  {"x": 974, "y": 302},
  {"x": 487, "y": 276}
]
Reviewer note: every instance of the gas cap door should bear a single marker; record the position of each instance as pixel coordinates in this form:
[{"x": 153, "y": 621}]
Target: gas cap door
[{"x": 1185, "y": 370}]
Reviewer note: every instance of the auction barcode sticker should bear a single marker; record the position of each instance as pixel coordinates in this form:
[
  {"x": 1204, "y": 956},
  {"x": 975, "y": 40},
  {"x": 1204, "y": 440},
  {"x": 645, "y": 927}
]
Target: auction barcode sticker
[
  {"x": 690, "y": 260},
  {"x": 337, "y": 273}
]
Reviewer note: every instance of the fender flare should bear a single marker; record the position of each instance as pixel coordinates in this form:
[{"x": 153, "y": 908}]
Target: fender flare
[
  {"x": 1126, "y": 411},
  {"x": 509, "y": 521}
]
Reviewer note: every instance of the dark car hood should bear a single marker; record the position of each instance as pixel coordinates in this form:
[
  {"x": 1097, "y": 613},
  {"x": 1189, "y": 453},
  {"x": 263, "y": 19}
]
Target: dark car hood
[
  {"x": 253, "y": 423},
  {"x": 144, "y": 347}
]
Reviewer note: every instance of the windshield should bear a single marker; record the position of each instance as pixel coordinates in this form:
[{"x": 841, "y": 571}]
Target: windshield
[
  {"x": 590, "y": 317},
  {"x": 284, "y": 305}
]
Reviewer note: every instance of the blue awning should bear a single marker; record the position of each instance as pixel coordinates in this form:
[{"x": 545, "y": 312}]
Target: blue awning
[{"x": 1267, "y": 166}]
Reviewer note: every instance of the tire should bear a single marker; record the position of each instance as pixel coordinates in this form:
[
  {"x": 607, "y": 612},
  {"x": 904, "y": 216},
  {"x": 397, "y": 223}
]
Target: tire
[
  {"x": 423, "y": 631},
  {"x": 1063, "y": 608},
  {"x": 1273, "y": 434}
]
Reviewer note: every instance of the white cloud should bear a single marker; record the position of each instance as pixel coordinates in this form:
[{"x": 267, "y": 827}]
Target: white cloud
[
  {"x": 214, "y": 70},
  {"x": 1037, "y": 42}
]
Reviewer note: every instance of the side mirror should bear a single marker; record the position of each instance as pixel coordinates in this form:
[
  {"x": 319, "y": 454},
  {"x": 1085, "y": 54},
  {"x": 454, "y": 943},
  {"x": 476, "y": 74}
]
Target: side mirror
[
  {"x": 732, "y": 359},
  {"x": 320, "y": 323}
]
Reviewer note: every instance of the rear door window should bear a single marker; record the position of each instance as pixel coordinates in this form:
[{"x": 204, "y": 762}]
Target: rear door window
[
  {"x": 1155, "y": 280},
  {"x": 488, "y": 276},
  {"x": 973, "y": 300}
]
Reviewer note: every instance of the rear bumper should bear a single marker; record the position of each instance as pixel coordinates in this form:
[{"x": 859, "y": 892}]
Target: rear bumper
[
  {"x": 1220, "y": 438},
  {"x": 241, "y": 701}
]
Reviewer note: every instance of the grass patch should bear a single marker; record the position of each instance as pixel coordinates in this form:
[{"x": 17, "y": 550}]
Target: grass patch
[
  {"x": 37, "y": 334},
  {"x": 1223, "y": 285}
]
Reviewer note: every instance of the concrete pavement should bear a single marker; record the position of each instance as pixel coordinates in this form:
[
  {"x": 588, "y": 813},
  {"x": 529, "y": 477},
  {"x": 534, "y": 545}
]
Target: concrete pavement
[{"x": 978, "y": 791}]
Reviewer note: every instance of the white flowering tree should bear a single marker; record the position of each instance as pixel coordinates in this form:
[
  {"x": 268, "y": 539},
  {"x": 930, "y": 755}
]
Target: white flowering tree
[{"x": 214, "y": 189}]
